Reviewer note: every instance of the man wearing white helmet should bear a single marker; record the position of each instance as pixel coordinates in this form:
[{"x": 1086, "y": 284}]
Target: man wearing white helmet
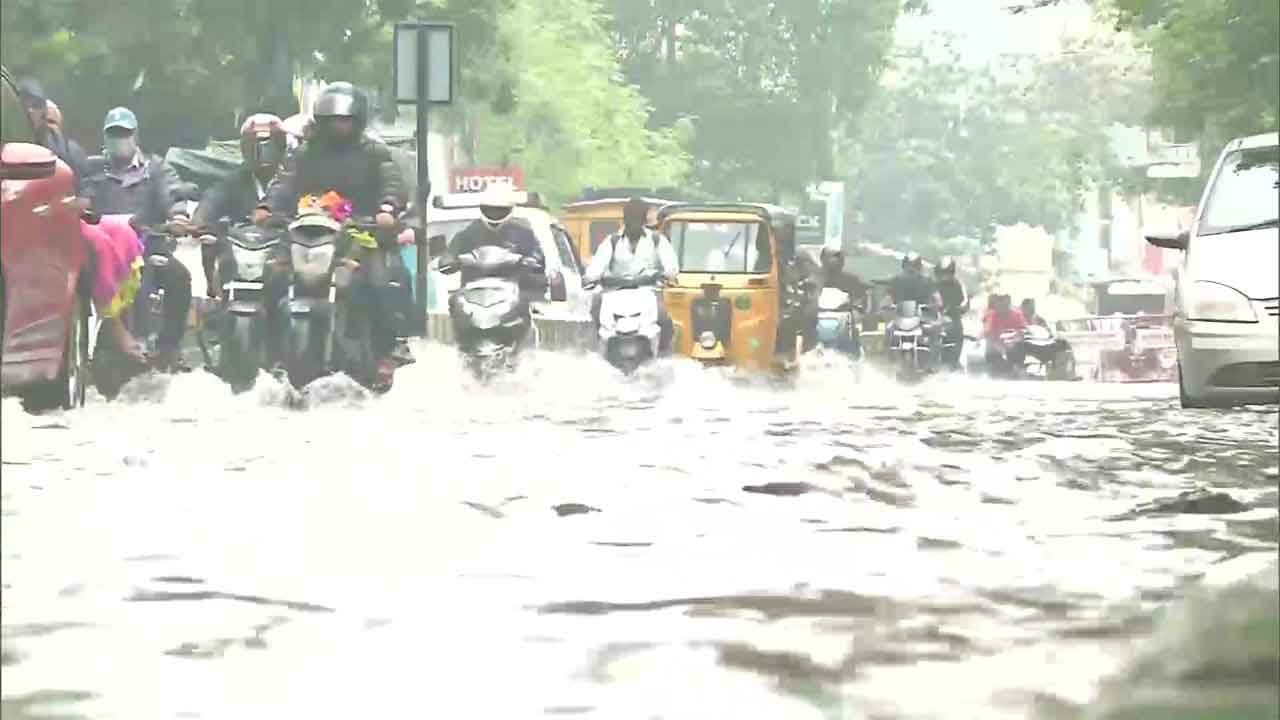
[{"x": 497, "y": 226}]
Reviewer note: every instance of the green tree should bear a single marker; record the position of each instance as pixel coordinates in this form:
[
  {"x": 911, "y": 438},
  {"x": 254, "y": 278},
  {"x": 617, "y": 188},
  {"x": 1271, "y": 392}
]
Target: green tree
[
  {"x": 945, "y": 154},
  {"x": 765, "y": 83},
  {"x": 1216, "y": 64},
  {"x": 555, "y": 104},
  {"x": 539, "y": 85},
  {"x": 189, "y": 68}
]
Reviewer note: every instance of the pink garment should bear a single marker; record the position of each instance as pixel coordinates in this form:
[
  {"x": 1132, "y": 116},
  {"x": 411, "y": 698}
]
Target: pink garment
[{"x": 118, "y": 251}]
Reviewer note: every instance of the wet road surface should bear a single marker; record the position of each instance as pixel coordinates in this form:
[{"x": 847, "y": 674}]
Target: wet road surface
[{"x": 569, "y": 545}]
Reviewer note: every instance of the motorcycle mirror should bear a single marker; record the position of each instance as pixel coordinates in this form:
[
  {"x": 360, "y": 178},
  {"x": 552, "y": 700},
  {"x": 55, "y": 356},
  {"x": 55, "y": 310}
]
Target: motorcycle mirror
[
  {"x": 437, "y": 245},
  {"x": 558, "y": 290}
]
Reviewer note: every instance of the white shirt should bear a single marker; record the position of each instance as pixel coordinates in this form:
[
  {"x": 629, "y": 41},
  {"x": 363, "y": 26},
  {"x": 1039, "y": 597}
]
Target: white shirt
[{"x": 652, "y": 251}]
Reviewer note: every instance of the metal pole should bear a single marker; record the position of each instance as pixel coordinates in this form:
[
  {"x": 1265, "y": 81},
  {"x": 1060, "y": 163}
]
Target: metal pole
[{"x": 424, "y": 179}]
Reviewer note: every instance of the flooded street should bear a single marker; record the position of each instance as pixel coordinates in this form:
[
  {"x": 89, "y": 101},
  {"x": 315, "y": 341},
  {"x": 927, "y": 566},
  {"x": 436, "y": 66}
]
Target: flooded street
[{"x": 570, "y": 545}]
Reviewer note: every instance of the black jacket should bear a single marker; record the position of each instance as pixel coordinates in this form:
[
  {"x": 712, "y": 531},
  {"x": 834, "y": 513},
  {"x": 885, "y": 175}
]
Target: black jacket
[
  {"x": 364, "y": 172},
  {"x": 953, "y": 294},
  {"x": 845, "y": 281},
  {"x": 514, "y": 235},
  {"x": 148, "y": 192},
  {"x": 234, "y": 197},
  {"x": 912, "y": 287}
]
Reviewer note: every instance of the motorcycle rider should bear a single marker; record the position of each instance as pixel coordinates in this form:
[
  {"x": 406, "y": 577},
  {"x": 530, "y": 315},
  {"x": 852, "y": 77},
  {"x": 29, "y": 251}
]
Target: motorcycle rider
[
  {"x": 955, "y": 303},
  {"x": 340, "y": 155},
  {"x": 262, "y": 146},
  {"x": 912, "y": 285},
  {"x": 834, "y": 275},
  {"x": 1002, "y": 317},
  {"x": 639, "y": 252},
  {"x": 496, "y": 227},
  {"x": 132, "y": 182},
  {"x": 1046, "y": 354},
  {"x": 48, "y": 133},
  {"x": 1028, "y": 310}
]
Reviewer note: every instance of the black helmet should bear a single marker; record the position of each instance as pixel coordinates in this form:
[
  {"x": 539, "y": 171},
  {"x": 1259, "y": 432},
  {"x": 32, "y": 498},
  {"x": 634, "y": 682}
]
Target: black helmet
[
  {"x": 912, "y": 261},
  {"x": 831, "y": 257},
  {"x": 946, "y": 266},
  {"x": 342, "y": 99}
]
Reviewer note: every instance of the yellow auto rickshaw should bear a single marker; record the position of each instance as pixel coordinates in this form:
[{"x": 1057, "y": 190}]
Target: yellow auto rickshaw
[
  {"x": 598, "y": 214},
  {"x": 727, "y": 303}
]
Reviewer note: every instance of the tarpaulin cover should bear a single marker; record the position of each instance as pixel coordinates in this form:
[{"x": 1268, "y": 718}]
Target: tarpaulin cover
[{"x": 205, "y": 167}]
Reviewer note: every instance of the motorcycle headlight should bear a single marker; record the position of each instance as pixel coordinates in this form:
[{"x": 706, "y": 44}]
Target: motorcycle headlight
[
  {"x": 1216, "y": 302},
  {"x": 312, "y": 263},
  {"x": 249, "y": 263}
]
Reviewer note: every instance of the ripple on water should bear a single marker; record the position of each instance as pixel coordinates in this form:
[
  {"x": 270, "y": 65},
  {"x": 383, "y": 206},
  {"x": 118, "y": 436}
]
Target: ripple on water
[{"x": 605, "y": 546}]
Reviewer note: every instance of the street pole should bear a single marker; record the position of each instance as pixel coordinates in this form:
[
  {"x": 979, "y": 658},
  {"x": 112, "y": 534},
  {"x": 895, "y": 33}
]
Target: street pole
[
  {"x": 419, "y": 49},
  {"x": 424, "y": 177}
]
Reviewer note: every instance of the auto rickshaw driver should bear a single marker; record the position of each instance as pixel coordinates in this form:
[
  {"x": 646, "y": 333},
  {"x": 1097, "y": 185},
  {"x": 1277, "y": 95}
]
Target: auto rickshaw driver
[{"x": 725, "y": 302}]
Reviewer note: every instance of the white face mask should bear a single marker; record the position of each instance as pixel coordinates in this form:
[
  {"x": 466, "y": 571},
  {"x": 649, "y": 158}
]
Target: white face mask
[{"x": 121, "y": 148}]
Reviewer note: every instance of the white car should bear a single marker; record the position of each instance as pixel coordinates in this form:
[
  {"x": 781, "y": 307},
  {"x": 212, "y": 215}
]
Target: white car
[
  {"x": 450, "y": 214},
  {"x": 1226, "y": 305}
]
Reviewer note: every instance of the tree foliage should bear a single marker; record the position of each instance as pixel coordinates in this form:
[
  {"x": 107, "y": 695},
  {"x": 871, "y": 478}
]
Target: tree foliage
[
  {"x": 946, "y": 153},
  {"x": 766, "y": 84},
  {"x": 539, "y": 85},
  {"x": 1216, "y": 64},
  {"x": 560, "y": 109}
]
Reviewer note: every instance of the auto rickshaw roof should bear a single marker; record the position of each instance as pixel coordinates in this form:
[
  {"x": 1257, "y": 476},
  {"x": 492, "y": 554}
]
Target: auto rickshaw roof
[
  {"x": 622, "y": 194},
  {"x": 771, "y": 214},
  {"x": 621, "y": 200}
]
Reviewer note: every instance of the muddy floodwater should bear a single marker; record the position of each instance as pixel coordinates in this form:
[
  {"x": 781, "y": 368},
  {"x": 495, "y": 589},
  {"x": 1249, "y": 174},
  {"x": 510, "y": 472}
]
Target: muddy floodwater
[{"x": 566, "y": 544}]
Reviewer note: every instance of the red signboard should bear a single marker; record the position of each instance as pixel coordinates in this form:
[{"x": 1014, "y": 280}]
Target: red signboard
[{"x": 472, "y": 180}]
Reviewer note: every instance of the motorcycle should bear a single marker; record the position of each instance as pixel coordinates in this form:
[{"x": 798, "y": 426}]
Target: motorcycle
[
  {"x": 1020, "y": 354},
  {"x": 910, "y": 341},
  {"x": 493, "y": 323},
  {"x": 233, "y": 334},
  {"x": 839, "y": 322},
  {"x": 320, "y": 333},
  {"x": 629, "y": 332}
]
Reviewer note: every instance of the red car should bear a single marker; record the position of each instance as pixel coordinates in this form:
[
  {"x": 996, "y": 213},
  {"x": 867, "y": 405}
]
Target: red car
[{"x": 44, "y": 269}]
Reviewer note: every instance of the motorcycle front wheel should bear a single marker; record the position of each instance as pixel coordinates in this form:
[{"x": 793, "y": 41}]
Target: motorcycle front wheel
[
  {"x": 304, "y": 350},
  {"x": 239, "y": 352}
]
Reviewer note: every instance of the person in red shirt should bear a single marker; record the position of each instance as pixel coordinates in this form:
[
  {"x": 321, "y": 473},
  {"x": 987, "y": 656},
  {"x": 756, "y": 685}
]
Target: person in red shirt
[{"x": 1000, "y": 318}]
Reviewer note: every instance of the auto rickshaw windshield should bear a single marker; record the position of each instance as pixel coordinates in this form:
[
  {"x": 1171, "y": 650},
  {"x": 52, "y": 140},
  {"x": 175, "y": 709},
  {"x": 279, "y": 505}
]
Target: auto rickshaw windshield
[{"x": 721, "y": 247}]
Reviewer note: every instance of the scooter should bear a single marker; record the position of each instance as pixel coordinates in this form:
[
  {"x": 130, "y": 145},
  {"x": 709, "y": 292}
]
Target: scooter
[
  {"x": 321, "y": 335},
  {"x": 233, "y": 333},
  {"x": 839, "y": 323},
  {"x": 629, "y": 332},
  {"x": 493, "y": 323}
]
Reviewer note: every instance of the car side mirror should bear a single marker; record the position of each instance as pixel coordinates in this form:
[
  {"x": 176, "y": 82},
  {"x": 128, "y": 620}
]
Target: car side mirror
[
  {"x": 436, "y": 245},
  {"x": 559, "y": 291},
  {"x": 25, "y": 161},
  {"x": 1170, "y": 239}
]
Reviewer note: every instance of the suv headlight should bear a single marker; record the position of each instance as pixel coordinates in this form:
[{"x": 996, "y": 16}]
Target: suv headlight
[{"x": 1216, "y": 302}]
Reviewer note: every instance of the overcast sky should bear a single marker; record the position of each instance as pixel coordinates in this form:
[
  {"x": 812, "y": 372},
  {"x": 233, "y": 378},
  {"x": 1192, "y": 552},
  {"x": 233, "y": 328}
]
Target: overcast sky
[{"x": 984, "y": 29}]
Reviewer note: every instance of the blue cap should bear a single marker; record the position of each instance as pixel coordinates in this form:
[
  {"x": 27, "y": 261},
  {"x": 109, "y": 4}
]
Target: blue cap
[{"x": 121, "y": 117}]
